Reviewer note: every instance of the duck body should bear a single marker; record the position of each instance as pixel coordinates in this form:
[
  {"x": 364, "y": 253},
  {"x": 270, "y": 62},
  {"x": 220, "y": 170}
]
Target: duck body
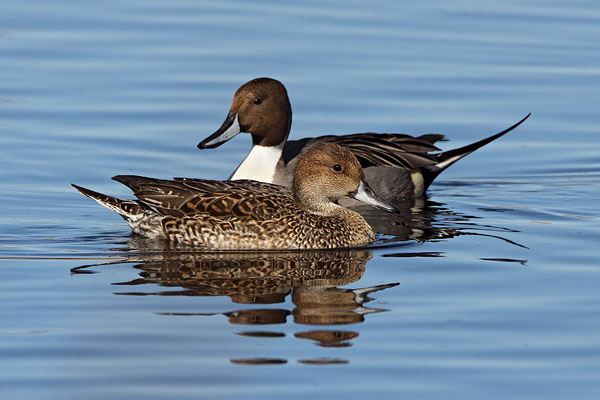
[
  {"x": 398, "y": 167},
  {"x": 249, "y": 214},
  {"x": 392, "y": 184}
]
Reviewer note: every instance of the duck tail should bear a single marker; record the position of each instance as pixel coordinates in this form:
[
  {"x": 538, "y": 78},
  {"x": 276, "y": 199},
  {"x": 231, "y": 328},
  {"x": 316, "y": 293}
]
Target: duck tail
[
  {"x": 447, "y": 158},
  {"x": 128, "y": 209}
]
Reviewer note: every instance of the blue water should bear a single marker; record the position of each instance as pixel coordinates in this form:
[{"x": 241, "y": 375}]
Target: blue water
[{"x": 497, "y": 293}]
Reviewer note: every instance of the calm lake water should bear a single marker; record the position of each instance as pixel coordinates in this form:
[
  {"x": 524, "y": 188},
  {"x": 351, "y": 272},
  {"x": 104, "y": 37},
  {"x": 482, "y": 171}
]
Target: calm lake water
[{"x": 493, "y": 291}]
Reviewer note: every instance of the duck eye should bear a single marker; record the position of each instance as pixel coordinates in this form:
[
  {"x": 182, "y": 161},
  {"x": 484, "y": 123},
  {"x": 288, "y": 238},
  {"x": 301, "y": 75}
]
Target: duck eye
[
  {"x": 257, "y": 100},
  {"x": 337, "y": 168}
]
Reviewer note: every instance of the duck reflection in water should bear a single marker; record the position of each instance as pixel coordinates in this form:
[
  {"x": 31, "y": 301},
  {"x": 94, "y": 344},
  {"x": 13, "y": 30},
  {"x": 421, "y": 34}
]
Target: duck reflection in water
[{"x": 311, "y": 278}]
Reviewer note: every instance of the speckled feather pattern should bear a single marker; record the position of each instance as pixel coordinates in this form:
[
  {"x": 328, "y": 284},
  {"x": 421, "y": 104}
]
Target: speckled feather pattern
[
  {"x": 246, "y": 214},
  {"x": 242, "y": 215}
]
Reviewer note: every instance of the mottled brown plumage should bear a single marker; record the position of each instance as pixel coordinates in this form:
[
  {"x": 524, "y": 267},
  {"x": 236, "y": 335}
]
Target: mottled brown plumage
[{"x": 249, "y": 214}]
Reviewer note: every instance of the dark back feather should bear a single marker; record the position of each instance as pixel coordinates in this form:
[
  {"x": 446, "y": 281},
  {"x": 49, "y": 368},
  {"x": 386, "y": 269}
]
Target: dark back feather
[
  {"x": 184, "y": 197},
  {"x": 388, "y": 149}
]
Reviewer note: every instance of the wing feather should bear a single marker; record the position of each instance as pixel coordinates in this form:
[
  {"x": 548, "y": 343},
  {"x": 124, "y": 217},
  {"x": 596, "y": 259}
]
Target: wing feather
[
  {"x": 196, "y": 198},
  {"x": 389, "y": 149}
]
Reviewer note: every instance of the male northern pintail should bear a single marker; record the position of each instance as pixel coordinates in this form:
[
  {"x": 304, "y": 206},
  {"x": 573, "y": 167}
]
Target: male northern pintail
[
  {"x": 253, "y": 215},
  {"x": 397, "y": 166}
]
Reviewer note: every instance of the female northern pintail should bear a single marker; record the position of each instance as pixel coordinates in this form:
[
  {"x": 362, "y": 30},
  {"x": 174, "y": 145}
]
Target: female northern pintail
[
  {"x": 254, "y": 215},
  {"x": 397, "y": 166}
]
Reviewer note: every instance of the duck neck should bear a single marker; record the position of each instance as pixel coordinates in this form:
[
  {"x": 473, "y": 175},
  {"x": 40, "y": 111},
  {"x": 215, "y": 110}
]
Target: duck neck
[
  {"x": 267, "y": 147},
  {"x": 363, "y": 233},
  {"x": 259, "y": 164},
  {"x": 358, "y": 229},
  {"x": 313, "y": 201}
]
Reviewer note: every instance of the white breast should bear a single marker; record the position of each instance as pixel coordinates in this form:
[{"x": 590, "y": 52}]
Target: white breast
[{"x": 259, "y": 164}]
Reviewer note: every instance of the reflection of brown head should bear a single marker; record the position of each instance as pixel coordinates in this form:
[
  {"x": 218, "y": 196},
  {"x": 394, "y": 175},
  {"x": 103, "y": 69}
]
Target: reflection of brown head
[
  {"x": 325, "y": 306},
  {"x": 332, "y": 306},
  {"x": 323, "y": 316}
]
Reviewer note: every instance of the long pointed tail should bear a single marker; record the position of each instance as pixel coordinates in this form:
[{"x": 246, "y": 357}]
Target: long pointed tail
[
  {"x": 126, "y": 208},
  {"x": 447, "y": 158}
]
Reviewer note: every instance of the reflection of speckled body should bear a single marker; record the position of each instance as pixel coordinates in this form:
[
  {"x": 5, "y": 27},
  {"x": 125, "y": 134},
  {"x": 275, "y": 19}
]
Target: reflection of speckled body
[{"x": 247, "y": 275}]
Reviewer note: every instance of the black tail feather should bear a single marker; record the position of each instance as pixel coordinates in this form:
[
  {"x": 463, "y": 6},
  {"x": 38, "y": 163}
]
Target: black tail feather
[
  {"x": 99, "y": 197},
  {"x": 447, "y": 158}
]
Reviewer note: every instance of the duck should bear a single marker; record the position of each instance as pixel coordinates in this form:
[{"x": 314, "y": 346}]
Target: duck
[
  {"x": 247, "y": 214},
  {"x": 398, "y": 167}
]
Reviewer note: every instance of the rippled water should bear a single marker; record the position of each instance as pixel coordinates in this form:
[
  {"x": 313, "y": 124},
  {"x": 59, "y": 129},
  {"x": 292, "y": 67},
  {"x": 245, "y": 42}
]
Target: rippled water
[{"x": 489, "y": 291}]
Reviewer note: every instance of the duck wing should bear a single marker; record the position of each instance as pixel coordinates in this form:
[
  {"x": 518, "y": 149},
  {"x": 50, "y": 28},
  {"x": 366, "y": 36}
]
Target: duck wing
[
  {"x": 185, "y": 197},
  {"x": 389, "y": 149}
]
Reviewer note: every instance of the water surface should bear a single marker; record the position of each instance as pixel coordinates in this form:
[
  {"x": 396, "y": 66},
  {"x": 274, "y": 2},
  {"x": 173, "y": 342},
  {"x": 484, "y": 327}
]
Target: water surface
[{"x": 490, "y": 290}]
